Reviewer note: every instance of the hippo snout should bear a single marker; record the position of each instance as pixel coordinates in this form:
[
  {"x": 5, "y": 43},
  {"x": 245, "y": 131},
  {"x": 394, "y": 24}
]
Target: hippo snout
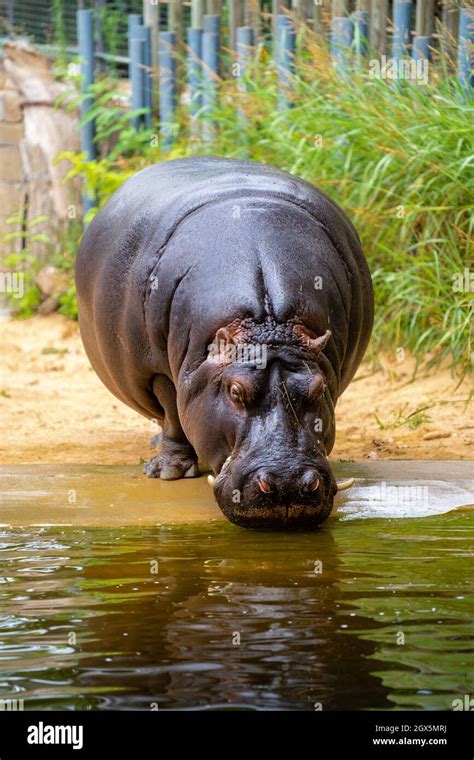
[
  {"x": 271, "y": 483},
  {"x": 275, "y": 500}
]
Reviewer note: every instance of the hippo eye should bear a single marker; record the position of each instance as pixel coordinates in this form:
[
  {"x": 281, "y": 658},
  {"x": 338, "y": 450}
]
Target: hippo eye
[{"x": 235, "y": 393}]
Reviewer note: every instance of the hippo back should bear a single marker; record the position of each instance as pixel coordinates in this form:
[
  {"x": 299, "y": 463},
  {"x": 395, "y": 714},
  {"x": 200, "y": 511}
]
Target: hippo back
[{"x": 123, "y": 245}]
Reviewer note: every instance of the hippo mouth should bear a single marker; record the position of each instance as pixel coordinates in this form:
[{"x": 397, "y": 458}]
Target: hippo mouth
[
  {"x": 279, "y": 517},
  {"x": 287, "y": 507}
]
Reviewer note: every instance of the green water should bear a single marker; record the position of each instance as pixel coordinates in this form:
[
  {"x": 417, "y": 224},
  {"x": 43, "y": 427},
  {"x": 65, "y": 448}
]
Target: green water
[{"x": 360, "y": 614}]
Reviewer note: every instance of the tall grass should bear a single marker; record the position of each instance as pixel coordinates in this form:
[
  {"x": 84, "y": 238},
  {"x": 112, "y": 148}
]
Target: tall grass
[{"x": 397, "y": 156}]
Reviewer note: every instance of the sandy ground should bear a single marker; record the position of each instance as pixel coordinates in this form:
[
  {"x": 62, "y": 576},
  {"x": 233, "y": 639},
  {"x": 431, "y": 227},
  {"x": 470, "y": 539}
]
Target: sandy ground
[{"x": 55, "y": 410}]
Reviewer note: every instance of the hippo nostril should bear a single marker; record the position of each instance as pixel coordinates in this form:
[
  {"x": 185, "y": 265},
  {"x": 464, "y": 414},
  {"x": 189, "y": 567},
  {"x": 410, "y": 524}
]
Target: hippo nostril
[
  {"x": 310, "y": 481},
  {"x": 264, "y": 486}
]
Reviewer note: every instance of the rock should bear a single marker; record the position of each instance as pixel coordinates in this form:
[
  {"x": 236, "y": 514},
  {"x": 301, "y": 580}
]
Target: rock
[
  {"x": 50, "y": 280},
  {"x": 12, "y": 167},
  {"x": 47, "y": 307},
  {"x": 46, "y": 130},
  {"x": 10, "y": 107}
]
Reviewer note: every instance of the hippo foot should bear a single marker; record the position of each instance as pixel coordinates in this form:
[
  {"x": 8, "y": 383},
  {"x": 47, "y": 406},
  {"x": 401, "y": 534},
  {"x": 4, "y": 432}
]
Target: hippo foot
[{"x": 171, "y": 465}]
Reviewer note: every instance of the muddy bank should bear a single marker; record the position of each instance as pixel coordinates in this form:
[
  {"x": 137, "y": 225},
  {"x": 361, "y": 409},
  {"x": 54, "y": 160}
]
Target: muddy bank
[{"x": 55, "y": 410}]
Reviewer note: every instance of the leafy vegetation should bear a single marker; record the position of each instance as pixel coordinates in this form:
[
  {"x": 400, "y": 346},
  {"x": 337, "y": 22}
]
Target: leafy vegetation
[
  {"x": 34, "y": 250},
  {"x": 397, "y": 156}
]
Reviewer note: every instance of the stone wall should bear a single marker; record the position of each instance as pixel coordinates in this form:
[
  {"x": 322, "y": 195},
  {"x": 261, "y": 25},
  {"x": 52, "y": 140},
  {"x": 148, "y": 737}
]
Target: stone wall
[
  {"x": 33, "y": 131},
  {"x": 12, "y": 184}
]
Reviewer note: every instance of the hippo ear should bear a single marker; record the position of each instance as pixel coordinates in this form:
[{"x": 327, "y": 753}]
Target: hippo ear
[
  {"x": 219, "y": 351},
  {"x": 315, "y": 343},
  {"x": 226, "y": 335}
]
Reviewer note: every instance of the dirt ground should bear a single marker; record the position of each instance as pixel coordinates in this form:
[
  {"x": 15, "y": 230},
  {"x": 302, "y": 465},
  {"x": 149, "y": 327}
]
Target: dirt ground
[{"x": 55, "y": 410}]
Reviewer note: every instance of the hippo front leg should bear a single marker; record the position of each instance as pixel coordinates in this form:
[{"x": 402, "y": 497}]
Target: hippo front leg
[
  {"x": 177, "y": 458},
  {"x": 174, "y": 461}
]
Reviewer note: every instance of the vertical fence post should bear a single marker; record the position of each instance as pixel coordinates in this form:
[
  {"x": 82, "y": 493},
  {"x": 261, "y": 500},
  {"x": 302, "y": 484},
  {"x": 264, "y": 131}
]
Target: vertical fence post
[
  {"x": 194, "y": 40},
  {"x": 252, "y": 16},
  {"x": 144, "y": 33},
  {"x": 133, "y": 20},
  {"x": 298, "y": 8},
  {"x": 449, "y": 30},
  {"x": 99, "y": 8},
  {"x": 278, "y": 6},
  {"x": 167, "y": 43},
  {"x": 378, "y": 25},
  {"x": 342, "y": 31},
  {"x": 361, "y": 27},
  {"x": 198, "y": 8},
  {"x": 318, "y": 25},
  {"x": 137, "y": 60},
  {"x": 423, "y": 29},
  {"x": 245, "y": 41},
  {"x": 151, "y": 18},
  {"x": 236, "y": 20},
  {"x": 465, "y": 43},
  {"x": 85, "y": 31},
  {"x": 175, "y": 19},
  {"x": 286, "y": 48},
  {"x": 214, "y": 7},
  {"x": 212, "y": 24},
  {"x": 210, "y": 59},
  {"x": 401, "y": 28}
]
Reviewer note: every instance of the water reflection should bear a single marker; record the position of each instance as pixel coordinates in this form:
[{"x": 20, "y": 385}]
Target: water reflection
[
  {"x": 205, "y": 614},
  {"x": 418, "y": 586}
]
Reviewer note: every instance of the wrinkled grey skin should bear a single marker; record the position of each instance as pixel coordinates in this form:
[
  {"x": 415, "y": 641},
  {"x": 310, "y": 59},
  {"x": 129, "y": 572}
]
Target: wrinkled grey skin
[{"x": 195, "y": 258}]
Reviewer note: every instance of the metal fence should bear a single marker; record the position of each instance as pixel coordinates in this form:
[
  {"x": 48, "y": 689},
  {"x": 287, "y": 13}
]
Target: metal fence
[
  {"x": 53, "y": 23},
  {"x": 238, "y": 26},
  {"x": 147, "y": 40}
]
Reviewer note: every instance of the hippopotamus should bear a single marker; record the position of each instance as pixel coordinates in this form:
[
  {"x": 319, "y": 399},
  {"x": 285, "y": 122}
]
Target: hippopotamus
[{"x": 232, "y": 302}]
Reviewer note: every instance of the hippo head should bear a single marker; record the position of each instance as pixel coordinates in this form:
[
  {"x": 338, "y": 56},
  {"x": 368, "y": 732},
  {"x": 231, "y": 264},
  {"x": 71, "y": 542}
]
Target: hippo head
[{"x": 258, "y": 409}]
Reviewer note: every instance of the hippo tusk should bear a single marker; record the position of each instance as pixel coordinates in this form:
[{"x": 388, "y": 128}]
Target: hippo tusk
[
  {"x": 211, "y": 479},
  {"x": 345, "y": 484},
  {"x": 226, "y": 463}
]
